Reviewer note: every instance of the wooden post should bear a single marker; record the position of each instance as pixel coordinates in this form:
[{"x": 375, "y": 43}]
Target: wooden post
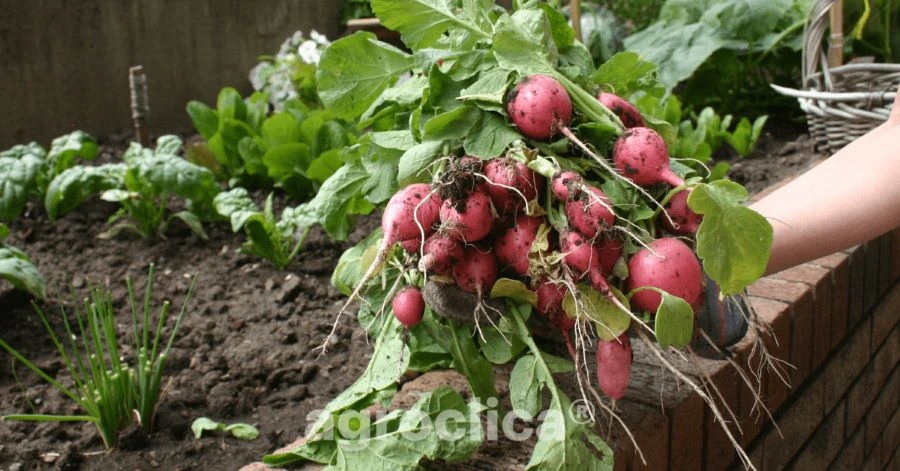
[
  {"x": 575, "y": 12},
  {"x": 140, "y": 104},
  {"x": 836, "y": 40}
]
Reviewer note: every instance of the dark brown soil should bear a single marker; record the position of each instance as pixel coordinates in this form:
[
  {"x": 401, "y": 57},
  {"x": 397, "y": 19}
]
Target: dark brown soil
[{"x": 245, "y": 351}]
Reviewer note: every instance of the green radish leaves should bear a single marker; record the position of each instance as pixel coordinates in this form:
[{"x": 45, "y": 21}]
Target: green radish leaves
[
  {"x": 674, "y": 323},
  {"x": 354, "y": 71},
  {"x": 733, "y": 241},
  {"x": 422, "y": 23},
  {"x": 611, "y": 319}
]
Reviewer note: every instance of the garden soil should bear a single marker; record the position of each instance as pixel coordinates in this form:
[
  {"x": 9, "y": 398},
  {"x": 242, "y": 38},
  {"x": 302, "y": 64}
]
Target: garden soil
[{"x": 246, "y": 351}]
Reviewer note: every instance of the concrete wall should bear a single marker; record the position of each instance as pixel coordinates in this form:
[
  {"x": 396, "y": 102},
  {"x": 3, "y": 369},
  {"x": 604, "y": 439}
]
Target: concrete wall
[{"x": 64, "y": 63}]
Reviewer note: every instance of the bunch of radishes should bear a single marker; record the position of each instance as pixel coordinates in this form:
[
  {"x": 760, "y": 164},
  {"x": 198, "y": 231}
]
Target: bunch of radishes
[{"x": 483, "y": 219}]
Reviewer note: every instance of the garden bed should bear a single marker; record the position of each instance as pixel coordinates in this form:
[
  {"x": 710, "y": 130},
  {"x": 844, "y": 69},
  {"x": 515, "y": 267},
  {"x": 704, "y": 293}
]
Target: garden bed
[{"x": 245, "y": 351}]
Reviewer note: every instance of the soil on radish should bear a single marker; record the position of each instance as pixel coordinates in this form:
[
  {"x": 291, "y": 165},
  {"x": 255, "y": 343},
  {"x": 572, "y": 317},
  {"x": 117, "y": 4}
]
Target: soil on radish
[{"x": 245, "y": 351}]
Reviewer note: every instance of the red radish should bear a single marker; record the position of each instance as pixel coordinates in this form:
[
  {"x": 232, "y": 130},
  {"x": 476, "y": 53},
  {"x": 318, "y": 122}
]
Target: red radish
[
  {"x": 408, "y": 306},
  {"x": 411, "y": 245},
  {"x": 583, "y": 258},
  {"x": 539, "y": 106},
  {"x": 514, "y": 244},
  {"x": 668, "y": 264},
  {"x": 469, "y": 220},
  {"x": 549, "y": 303},
  {"x": 614, "y": 360},
  {"x": 410, "y": 211},
  {"x": 512, "y": 184},
  {"x": 398, "y": 222},
  {"x": 562, "y": 184},
  {"x": 477, "y": 271},
  {"x": 626, "y": 112},
  {"x": 685, "y": 220},
  {"x": 590, "y": 212},
  {"x": 640, "y": 154},
  {"x": 610, "y": 251},
  {"x": 441, "y": 253}
]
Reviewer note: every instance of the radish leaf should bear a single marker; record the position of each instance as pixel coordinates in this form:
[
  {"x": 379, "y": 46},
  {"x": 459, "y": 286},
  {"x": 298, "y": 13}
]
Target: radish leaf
[
  {"x": 733, "y": 241},
  {"x": 674, "y": 324}
]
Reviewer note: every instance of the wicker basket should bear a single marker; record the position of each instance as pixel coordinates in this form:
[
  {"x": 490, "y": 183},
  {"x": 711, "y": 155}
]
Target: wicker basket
[{"x": 841, "y": 103}]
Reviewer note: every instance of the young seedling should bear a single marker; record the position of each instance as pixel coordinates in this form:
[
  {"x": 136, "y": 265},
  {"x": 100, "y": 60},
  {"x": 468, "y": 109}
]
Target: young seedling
[{"x": 237, "y": 430}]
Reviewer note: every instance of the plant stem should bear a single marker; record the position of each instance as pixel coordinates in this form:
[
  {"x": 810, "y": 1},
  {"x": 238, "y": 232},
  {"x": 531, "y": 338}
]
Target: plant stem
[{"x": 525, "y": 334}]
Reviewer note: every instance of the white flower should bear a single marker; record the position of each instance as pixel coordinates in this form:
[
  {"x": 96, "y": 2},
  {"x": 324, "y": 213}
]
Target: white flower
[
  {"x": 309, "y": 52},
  {"x": 319, "y": 38}
]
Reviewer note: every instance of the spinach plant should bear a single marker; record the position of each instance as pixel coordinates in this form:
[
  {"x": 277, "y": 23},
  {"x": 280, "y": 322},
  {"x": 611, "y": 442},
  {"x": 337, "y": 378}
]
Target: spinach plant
[
  {"x": 276, "y": 240},
  {"x": 295, "y": 149},
  {"x": 27, "y": 169},
  {"x": 16, "y": 267},
  {"x": 142, "y": 185}
]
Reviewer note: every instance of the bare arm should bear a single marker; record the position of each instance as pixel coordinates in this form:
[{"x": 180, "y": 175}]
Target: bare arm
[{"x": 850, "y": 198}]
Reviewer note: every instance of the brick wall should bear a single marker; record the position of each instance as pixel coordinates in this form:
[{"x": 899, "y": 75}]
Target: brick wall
[{"x": 836, "y": 321}]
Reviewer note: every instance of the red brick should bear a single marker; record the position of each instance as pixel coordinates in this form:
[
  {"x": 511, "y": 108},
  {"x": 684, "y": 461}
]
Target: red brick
[
  {"x": 885, "y": 267},
  {"x": 873, "y": 458},
  {"x": 797, "y": 423},
  {"x": 845, "y": 365},
  {"x": 756, "y": 456},
  {"x": 819, "y": 281},
  {"x": 891, "y": 436},
  {"x": 839, "y": 265},
  {"x": 873, "y": 262},
  {"x": 825, "y": 443},
  {"x": 857, "y": 273},
  {"x": 633, "y": 414},
  {"x": 895, "y": 254},
  {"x": 718, "y": 447},
  {"x": 777, "y": 315},
  {"x": 653, "y": 438},
  {"x": 686, "y": 424},
  {"x": 751, "y": 415},
  {"x": 894, "y": 462},
  {"x": 799, "y": 296},
  {"x": 881, "y": 412},
  {"x": 885, "y": 317},
  {"x": 867, "y": 387},
  {"x": 851, "y": 456}
]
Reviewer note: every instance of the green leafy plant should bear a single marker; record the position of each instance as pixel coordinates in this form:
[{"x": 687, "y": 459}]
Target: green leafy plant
[
  {"x": 238, "y": 430},
  {"x": 295, "y": 149},
  {"x": 27, "y": 169},
  {"x": 277, "y": 240},
  {"x": 142, "y": 185},
  {"x": 16, "y": 267},
  {"x": 111, "y": 392},
  {"x": 725, "y": 53}
]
